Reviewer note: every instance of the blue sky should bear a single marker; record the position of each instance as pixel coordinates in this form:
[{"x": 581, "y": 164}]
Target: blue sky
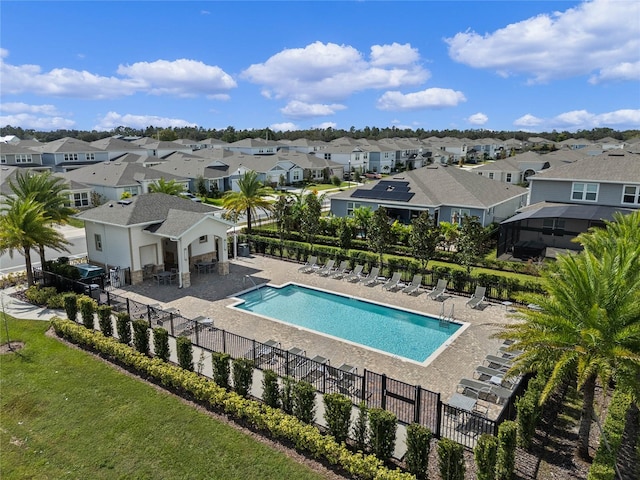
[{"x": 288, "y": 65}]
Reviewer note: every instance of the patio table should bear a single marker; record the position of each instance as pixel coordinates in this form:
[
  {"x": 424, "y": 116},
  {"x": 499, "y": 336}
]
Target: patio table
[{"x": 462, "y": 402}]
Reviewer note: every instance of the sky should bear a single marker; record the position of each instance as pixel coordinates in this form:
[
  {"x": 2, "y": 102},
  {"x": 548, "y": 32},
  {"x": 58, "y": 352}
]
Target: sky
[{"x": 295, "y": 65}]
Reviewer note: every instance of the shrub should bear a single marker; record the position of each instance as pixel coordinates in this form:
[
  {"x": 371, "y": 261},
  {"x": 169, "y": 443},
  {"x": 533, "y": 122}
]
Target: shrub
[
  {"x": 304, "y": 402},
  {"x": 382, "y": 433},
  {"x": 40, "y": 295},
  {"x": 270, "y": 389},
  {"x": 451, "y": 459},
  {"x": 485, "y": 457},
  {"x": 242, "y": 376},
  {"x": 55, "y": 302},
  {"x": 337, "y": 415},
  {"x": 418, "y": 448},
  {"x": 123, "y": 327},
  {"x": 141, "y": 336},
  {"x": 161, "y": 343},
  {"x": 71, "y": 306},
  {"x": 360, "y": 431},
  {"x": 221, "y": 369},
  {"x": 288, "y": 383},
  {"x": 87, "y": 308},
  {"x": 104, "y": 320},
  {"x": 506, "y": 456},
  {"x": 528, "y": 413},
  {"x": 185, "y": 353}
]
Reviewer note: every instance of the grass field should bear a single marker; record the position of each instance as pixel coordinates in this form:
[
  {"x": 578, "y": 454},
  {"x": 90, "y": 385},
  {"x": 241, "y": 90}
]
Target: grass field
[{"x": 66, "y": 414}]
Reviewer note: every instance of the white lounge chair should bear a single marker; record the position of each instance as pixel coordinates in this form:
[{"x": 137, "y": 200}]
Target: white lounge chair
[
  {"x": 355, "y": 275},
  {"x": 483, "y": 389},
  {"x": 327, "y": 268},
  {"x": 477, "y": 298},
  {"x": 341, "y": 271},
  {"x": 310, "y": 266},
  {"x": 372, "y": 278},
  {"x": 394, "y": 282},
  {"x": 414, "y": 285},
  {"x": 439, "y": 290}
]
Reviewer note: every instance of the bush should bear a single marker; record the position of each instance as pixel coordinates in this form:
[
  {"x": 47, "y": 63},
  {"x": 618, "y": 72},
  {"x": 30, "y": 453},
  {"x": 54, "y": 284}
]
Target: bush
[
  {"x": 270, "y": 389},
  {"x": 40, "y": 295},
  {"x": 288, "y": 384},
  {"x": 161, "y": 343},
  {"x": 506, "y": 456},
  {"x": 528, "y": 414},
  {"x": 71, "y": 306},
  {"x": 242, "y": 376},
  {"x": 141, "y": 336},
  {"x": 382, "y": 433},
  {"x": 451, "y": 459},
  {"x": 87, "y": 309},
  {"x": 123, "y": 327},
  {"x": 485, "y": 455},
  {"x": 418, "y": 448},
  {"x": 185, "y": 353},
  {"x": 337, "y": 415},
  {"x": 221, "y": 369},
  {"x": 104, "y": 320},
  {"x": 360, "y": 430},
  {"x": 304, "y": 402}
]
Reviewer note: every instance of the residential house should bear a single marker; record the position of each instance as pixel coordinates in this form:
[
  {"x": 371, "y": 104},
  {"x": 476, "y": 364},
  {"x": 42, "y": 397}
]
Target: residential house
[
  {"x": 15, "y": 154},
  {"x": 116, "y": 147},
  {"x": 254, "y": 146},
  {"x": 158, "y": 232},
  {"x": 160, "y": 149},
  {"x": 303, "y": 145},
  {"x": 354, "y": 158},
  {"x": 69, "y": 153}
]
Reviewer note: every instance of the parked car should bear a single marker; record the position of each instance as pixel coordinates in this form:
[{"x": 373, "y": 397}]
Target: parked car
[{"x": 192, "y": 197}]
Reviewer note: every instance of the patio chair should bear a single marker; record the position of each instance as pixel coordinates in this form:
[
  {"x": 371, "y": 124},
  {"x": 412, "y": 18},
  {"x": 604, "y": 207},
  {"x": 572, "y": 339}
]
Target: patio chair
[
  {"x": 393, "y": 282},
  {"x": 484, "y": 389},
  {"x": 499, "y": 363},
  {"x": 263, "y": 353},
  {"x": 491, "y": 375},
  {"x": 439, "y": 290},
  {"x": 355, "y": 275},
  {"x": 341, "y": 271},
  {"x": 310, "y": 266},
  {"x": 327, "y": 268},
  {"x": 414, "y": 285},
  {"x": 477, "y": 298},
  {"x": 372, "y": 278}
]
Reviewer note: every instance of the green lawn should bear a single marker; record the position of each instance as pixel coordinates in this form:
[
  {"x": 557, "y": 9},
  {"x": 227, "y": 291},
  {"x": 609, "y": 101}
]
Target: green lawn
[{"x": 68, "y": 415}]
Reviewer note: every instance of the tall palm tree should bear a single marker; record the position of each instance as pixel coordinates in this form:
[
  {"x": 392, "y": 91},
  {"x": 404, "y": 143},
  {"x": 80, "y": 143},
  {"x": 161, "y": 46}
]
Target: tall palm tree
[
  {"x": 49, "y": 191},
  {"x": 589, "y": 325},
  {"x": 249, "y": 199},
  {"x": 24, "y": 226},
  {"x": 170, "y": 188}
]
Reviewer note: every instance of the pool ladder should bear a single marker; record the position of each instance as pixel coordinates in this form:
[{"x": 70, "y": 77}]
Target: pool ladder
[
  {"x": 254, "y": 284},
  {"x": 444, "y": 320}
]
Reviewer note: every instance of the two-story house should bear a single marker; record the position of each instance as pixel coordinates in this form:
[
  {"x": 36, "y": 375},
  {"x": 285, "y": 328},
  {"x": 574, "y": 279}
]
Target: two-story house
[
  {"x": 68, "y": 154},
  {"x": 14, "y": 154}
]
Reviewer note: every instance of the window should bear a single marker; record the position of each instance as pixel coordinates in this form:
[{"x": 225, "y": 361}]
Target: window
[
  {"x": 295, "y": 175},
  {"x": 70, "y": 157},
  {"x": 81, "y": 199},
  {"x": 23, "y": 158},
  {"x": 553, "y": 226},
  {"x": 3, "y": 159},
  {"x": 327, "y": 156},
  {"x": 457, "y": 214},
  {"x": 90, "y": 156},
  {"x": 584, "y": 191},
  {"x": 508, "y": 178},
  {"x": 98, "y": 239},
  {"x": 631, "y": 194},
  {"x": 202, "y": 239},
  {"x": 491, "y": 175},
  {"x": 131, "y": 190},
  {"x": 351, "y": 206}
]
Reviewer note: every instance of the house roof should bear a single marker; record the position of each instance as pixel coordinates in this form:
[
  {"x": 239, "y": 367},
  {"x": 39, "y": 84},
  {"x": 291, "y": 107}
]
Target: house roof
[
  {"x": 12, "y": 148},
  {"x": 566, "y": 210},
  {"x": 612, "y": 166},
  {"x": 148, "y": 208},
  {"x": 176, "y": 223},
  {"x": 117, "y": 174},
  {"x": 67, "y": 145},
  {"x": 113, "y": 144},
  {"x": 440, "y": 185}
]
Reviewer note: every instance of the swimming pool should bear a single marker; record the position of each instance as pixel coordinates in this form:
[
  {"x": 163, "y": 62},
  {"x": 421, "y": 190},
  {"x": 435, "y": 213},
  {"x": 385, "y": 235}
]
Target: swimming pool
[{"x": 395, "y": 331}]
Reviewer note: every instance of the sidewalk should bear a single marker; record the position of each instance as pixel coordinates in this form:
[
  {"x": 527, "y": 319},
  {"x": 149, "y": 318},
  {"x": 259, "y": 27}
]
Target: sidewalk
[{"x": 24, "y": 310}]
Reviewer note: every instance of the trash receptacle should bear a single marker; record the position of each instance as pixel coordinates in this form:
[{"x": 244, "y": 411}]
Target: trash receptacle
[
  {"x": 94, "y": 291},
  {"x": 243, "y": 250}
]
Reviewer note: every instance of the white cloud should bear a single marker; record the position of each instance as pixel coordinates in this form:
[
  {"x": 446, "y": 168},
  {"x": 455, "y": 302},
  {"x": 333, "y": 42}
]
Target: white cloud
[
  {"x": 180, "y": 77},
  {"x": 27, "y": 121},
  {"x": 394, "y": 54},
  {"x": 429, "y": 98},
  {"x": 297, "y": 109},
  {"x": 20, "y": 107},
  {"x": 595, "y": 36},
  {"x": 113, "y": 119},
  {"x": 584, "y": 120},
  {"x": 622, "y": 71},
  {"x": 478, "y": 119},
  {"x": 329, "y": 72},
  {"x": 284, "y": 127},
  {"x": 325, "y": 125},
  {"x": 528, "y": 120}
]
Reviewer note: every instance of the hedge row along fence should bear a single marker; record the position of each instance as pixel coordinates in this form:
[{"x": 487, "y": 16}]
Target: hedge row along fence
[
  {"x": 280, "y": 425},
  {"x": 499, "y": 287}
]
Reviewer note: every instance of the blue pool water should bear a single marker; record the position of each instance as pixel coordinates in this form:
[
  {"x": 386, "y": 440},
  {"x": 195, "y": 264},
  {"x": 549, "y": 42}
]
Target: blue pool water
[{"x": 392, "y": 330}]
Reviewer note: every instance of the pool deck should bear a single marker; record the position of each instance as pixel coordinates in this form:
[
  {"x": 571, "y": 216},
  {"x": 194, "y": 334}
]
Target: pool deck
[{"x": 209, "y": 296}]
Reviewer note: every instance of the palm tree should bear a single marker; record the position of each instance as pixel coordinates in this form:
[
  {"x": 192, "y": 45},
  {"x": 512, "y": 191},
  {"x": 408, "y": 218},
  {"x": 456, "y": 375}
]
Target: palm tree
[
  {"x": 170, "y": 188},
  {"x": 362, "y": 217},
  {"x": 24, "y": 226},
  {"x": 47, "y": 190},
  {"x": 589, "y": 325},
  {"x": 249, "y": 199}
]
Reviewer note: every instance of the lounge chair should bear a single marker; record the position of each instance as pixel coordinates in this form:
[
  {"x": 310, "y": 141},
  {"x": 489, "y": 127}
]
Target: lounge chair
[
  {"x": 327, "y": 269},
  {"x": 264, "y": 353},
  {"x": 477, "y": 298},
  {"x": 492, "y": 375},
  {"x": 344, "y": 377},
  {"x": 393, "y": 282},
  {"x": 310, "y": 266},
  {"x": 499, "y": 363},
  {"x": 355, "y": 275},
  {"x": 342, "y": 270},
  {"x": 372, "y": 278},
  {"x": 484, "y": 390},
  {"x": 439, "y": 290},
  {"x": 414, "y": 285}
]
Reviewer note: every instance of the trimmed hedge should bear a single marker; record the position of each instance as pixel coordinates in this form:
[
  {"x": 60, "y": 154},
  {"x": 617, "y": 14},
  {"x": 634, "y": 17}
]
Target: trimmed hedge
[
  {"x": 337, "y": 414},
  {"x": 305, "y": 438},
  {"x": 123, "y": 327},
  {"x": 104, "y": 320},
  {"x": 451, "y": 460},
  {"x": 185, "y": 353},
  {"x": 242, "y": 376},
  {"x": 270, "y": 389},
  {"x": 221, "y": 369},
  {"x": 382, "y": 432},
  {"x": 161, "y": 343},
  {"x": 70, "y": 301},
  {"x": 418, "y": 448},
  {"x": 87, "y": 307},
  {"x": 485, "y": 456},
  {"x": 506, "y": 457},
  {"x": 141, "y": 336}
]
